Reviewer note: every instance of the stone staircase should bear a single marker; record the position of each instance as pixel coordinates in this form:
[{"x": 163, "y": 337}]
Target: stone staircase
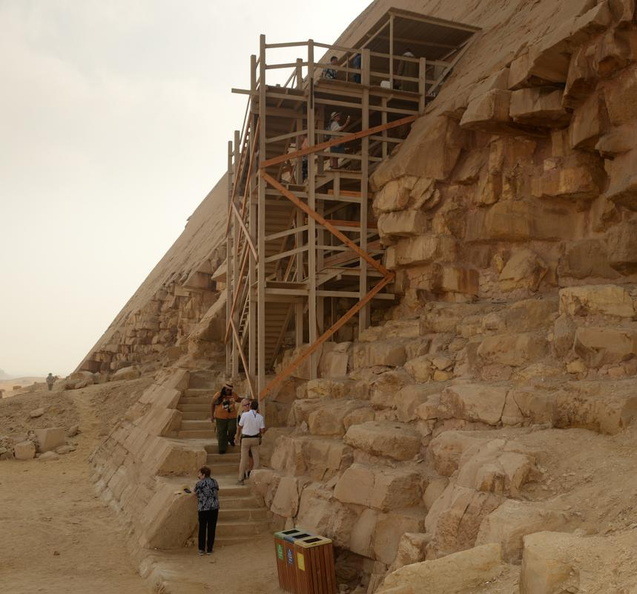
[{"x": 241, "y": 516}]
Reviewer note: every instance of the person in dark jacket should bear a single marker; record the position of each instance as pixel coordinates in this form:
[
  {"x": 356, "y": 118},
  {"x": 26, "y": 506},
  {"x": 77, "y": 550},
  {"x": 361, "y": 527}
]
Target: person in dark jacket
[{"x": 207, "y": 491}]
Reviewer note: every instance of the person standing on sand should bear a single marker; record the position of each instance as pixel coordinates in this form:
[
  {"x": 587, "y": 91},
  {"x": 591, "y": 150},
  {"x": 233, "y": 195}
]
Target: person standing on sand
[
  {"x": 224, "y": 415},
  {"x": 251, "y": 428},
  {"x": 50, "y": 380},
  {"x": 207, "y": 491}
]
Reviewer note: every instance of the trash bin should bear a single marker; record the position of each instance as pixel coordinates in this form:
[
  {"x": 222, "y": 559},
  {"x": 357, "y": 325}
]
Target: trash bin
[
  {"x": 315, "y": 573},
  {"x": 285, "y": 564}
]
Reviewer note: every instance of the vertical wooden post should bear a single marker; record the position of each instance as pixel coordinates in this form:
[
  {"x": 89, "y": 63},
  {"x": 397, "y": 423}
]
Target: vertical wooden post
[
  {"x": 230, "y": 261},
  {"x": 260, "y": 239},
  {"x": 422, "y": 84},
  {"x": 364, "y": 314},
  {"x": 391, "y": 51}
]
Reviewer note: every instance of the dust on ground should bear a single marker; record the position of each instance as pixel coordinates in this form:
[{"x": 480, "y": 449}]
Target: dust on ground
[{"x": 59, "y": 537}]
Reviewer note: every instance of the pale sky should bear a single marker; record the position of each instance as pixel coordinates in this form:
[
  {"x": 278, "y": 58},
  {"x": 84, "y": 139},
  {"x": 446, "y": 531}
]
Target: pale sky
[{"x": 114, "y": 122}]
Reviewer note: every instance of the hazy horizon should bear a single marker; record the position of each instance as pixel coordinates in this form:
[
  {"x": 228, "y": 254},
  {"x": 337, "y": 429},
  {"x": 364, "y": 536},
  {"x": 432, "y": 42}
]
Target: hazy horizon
[{"x": 116, "y": 118}]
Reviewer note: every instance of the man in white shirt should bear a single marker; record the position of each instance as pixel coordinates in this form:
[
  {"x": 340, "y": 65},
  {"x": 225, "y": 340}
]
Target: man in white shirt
[{"x": 251, "y": 428}]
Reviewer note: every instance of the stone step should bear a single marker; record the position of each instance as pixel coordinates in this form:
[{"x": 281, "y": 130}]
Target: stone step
[
  {"x": 205, "y": 378},
  {"x": 236, "y": 529},
  {"x": 230, "y": 457},
  {"x": 245, "y": 514},
  {"x": 231, "y": 541},
  {"x": 188, "y": 400},
  {"x": 198, "y": 415},
  {"x": 199, "y": 393},
  {"x": 195, "y": 425},
  {"x": 223, "y": 468},
  {"x": 234, "y": 502},
  {"x": 196, "y": 434},
  {"x": 204, "y": 407}
]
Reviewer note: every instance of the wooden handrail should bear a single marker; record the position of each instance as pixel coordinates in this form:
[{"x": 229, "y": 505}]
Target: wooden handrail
[
  {"x": 326, "y": 335},
  {"x": 340, "y": 140},
  {"x": 243, "y": 359}
]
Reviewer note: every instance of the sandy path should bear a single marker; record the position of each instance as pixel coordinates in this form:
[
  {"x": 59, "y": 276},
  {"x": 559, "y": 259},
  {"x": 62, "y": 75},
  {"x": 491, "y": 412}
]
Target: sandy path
[{"x": 57, "y": 535}]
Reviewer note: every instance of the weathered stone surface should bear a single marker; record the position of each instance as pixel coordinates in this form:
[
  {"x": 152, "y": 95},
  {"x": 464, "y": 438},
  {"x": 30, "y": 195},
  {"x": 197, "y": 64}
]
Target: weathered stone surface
[
  {"x": 420, "y": 368},
  {"x": 575, "y": 177},
  {"x": 384, "y": 390},
  {"x": 544, "y": 569},
  {"x": 589, "y": 123},
  {"x": 607, "y": 300},
  {"x": 330, "y": 418},
  {"x": 512, "y": 521},
  {"x": 585, "y": 259},
  {"x": 622, "y": 246},
  {"x": 431, "y": 151},
  {"x": 524, "y": 270},
  {"x": 539, "y": 107},
  {"x": 488, "y": 112},
  {"x": 529, "y": 405},
  {"x": 49, "y": 439},
  {"x": 286, "y": 499},
  {"x": 393, "y": 440},
  {"x": 25, "y": 450},
  {"x": 446, "y": 449},
  {"x": 461, "y": 573},
  {"x": 423, "y": 249},
  {"x": 455, "y": 279},
  {"x": 411, "y": 549},
  {"x": 380, "y": 488},
  {"x": 127, "y": 373},
  {"x": 512, "y": 349},
  {"x": 48, "y": 456},
  {"x": 410, "y": 398},
  {"x": 37, "y": 412},
  {"x": 390, "y": 528},
  {"x": 325, "y": 458},
  {"x": 475, "y": 402},
  {"x": 605, "y": 407},
  {"x": 599, "y": 346},
  {"x": 387, "y": 353},
  {"x": 334, "y": 359},
  {"x": 406, "y": 223}
]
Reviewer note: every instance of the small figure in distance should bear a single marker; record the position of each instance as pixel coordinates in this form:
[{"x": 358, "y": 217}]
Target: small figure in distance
[
  {"x": 251, "y": 428},
  {"x": 356, "y": 63},
  {"x": 50, "y": 380},
  {"x": 331, "y": 73},
  {"x": 335, "y": 126},
  {"x": 207, "y": 491}
]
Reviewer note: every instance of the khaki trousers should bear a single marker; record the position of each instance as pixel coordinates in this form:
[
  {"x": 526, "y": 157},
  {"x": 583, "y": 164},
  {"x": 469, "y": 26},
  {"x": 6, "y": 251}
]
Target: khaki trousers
[{"x": 248, "y": 444}]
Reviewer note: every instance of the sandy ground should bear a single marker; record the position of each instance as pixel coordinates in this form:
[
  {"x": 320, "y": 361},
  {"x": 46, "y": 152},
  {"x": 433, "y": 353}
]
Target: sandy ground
[{"x": 58, "y": 537}]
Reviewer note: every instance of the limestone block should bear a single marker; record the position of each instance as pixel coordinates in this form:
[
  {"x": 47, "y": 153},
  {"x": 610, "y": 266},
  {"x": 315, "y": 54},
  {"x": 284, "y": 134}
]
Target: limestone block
[
  {"x": 362, "y": 534},
  {"x": 49, "y": 439},
  {"x": 447, "y": 278},
  {"x": 391, "y": 354},
  {"x": 605, "y": 407},
  {"x": 521, "y": 220},
  {"x": 390, "y": 529},
  {"x": 435, "y": 489},
  {"x": 614, "y": 52},
  {"x": 462, "y": 573},
  {"x": 326, "y": 389},
  {"x": 455, "y": 517},
  {"x": 394, "y": 195},
  {"x": 607, "y": 300},
  {"x": 539, "y": 107},
  {"x": 540, "y": 65},
  {"x": 523, "y": 270},
  {"x": 379, "y": 487},
  {"x": 584, "y": 259},
  {"x": 529, "y": 405},
  {"x": 544, "y": 567},
  {"x": 126, "y": 373},
  {"x": 487, "y": 112},
  {"x": 25, "y": 450},
  {"x": 48, "y": 456},
  {"x": 384, "y": 390},
  {"x": 264, "y": 483},
  {"x": 617, "y": 141},
  {"x": 287, "y": 456},
  {"x": 512, "y": 349},
  {"x": 169, "y": 519},
  {"x": 358, "y": 416},
  {"x": 589, "y": 123},
  {"x": 177, "y": 459},
  {"x": 406, "y": 223},
  {"x": 329, "y": 418},
  {"x": 325, "y": 458},
  {"x": 392, "y": 440},
  {"x": 581, "y": 79},
  {"x": 286, "y": 499},
  {"x": 475, "y": 402},
  {"x": 622, "y": 246},
  {"x": 410, "y": 398},
  {"x": 495, "y": 467},
  {"x": 446, "y": 449},
  {"x": 622, "y": 187},
  {"x": 411, "y": 549},
  {"x": 425, "y": 249},
  {"x": 402, "y": 328},
  {"x": 527, "y": 315},
  {"x": 420, "y": 368},
  {"x": 431, "y": 151},
  {"x": 599, "y": 346},
  {"x": 575, "y": 177},
  {"x": 334, "y": 359},
  {"x": 512, "y": 521}
]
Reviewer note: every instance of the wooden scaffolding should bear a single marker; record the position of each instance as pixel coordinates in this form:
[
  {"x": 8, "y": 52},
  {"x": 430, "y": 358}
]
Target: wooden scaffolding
[{"x": 304, "y": 258}]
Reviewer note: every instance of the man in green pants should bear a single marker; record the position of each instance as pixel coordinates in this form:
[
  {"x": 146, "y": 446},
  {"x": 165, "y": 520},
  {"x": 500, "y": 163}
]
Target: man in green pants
[{"x": 224, "y": 413}]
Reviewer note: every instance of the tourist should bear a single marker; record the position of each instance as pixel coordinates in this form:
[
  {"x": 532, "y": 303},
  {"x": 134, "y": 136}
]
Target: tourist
[
  {"x": 251, "y": 428},
  {"x": 245, "y": 407},
  {"x": 224, "y": 415},
  {"x": 335, "y": 126},
  {"x": 331, "y": 73},
  {"x": 356, "y": 63},
  {"x": 50, "y": 380},
  {"x": 207, "y": 491}
]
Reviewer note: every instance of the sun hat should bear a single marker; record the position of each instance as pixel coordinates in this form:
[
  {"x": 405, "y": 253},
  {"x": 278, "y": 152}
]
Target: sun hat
[{"x": 334, "y": 114}]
